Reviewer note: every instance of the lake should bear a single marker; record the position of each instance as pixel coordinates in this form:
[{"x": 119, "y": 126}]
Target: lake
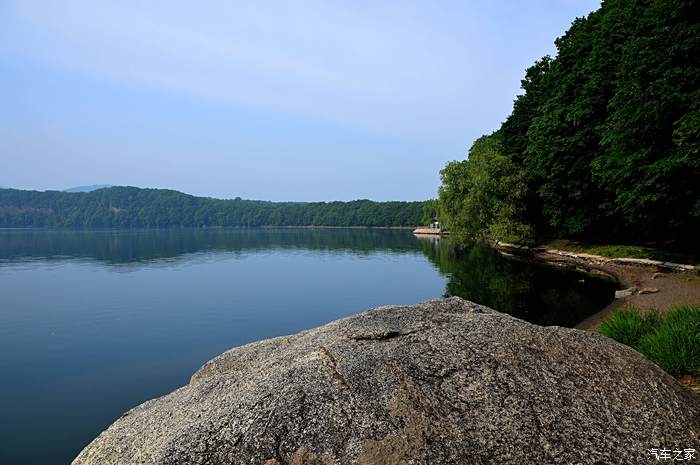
[{"x": 93, "y": 323}]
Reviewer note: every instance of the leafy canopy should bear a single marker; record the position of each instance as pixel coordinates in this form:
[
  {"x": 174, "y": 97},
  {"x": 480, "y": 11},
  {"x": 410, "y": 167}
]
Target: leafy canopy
[
  {"x": 606, "y": 134},
  {"x": 482, "y": 197}
]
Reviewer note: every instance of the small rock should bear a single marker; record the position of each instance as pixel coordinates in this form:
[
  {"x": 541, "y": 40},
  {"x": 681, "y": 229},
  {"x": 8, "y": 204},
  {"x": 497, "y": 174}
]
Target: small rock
[
  {"x": 657, "y": 275},
  {"x": 625, "y": 292},
  {"x": 648, "y": 290}
]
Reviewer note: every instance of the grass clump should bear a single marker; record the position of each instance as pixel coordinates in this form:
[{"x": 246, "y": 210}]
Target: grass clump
[
  {"x": 628, "y": 325},
  {"x": 675, "y": 344},
  {"x": 671, "y": 340}
]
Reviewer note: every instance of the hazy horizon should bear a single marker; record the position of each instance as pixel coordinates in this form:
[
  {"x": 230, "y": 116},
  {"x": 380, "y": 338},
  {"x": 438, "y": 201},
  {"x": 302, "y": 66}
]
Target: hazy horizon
[
  {"x": 94, "y": 187},
  {"x": 306, "y": 102}
]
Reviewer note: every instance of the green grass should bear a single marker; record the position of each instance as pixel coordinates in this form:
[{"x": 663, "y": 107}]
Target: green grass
[
  {"x": 625, "y": 251},
  {"x": 628, "y": 325},
  {"x": 671, "y": 340}
]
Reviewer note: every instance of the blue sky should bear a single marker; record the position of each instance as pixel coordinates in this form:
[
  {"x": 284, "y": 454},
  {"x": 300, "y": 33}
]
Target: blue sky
[{"x": 264, "y": 100}]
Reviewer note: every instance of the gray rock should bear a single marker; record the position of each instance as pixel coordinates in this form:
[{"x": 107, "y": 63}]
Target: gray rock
[
  {"x": 648, "y": 290},
  {"x": 625, "y": 292},
  {"x": 442, "y": 382}
]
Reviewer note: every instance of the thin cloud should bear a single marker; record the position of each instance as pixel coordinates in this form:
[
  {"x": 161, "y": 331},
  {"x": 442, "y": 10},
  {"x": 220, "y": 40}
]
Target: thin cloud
[{"x": 316, "y": 59}]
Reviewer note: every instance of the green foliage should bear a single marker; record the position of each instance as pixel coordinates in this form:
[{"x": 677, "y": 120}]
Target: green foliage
[
  {"x": 482, "y": 198},
  {"x": 430, "y": 211},
  {"x": 675, "y": 345},
  {"x": 628, "y": 325},
  {"x": 651, "y": 141},
  {"x": 525, "y": 108},
  {"x": 615, "y": 144},
  {"x": 607, "y": 133},
  {"x": 626, "y": 251},
  {"x": 617, "y": 251},
  {"x": 161, "y": 208},
  {"x": 671, "y": 340}
]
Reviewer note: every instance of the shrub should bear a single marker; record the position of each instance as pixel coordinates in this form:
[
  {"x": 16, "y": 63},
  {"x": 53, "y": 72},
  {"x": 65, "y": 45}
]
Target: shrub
[
  {"x": 670, "y": 340},
  {"x": 628, "y": 325}
]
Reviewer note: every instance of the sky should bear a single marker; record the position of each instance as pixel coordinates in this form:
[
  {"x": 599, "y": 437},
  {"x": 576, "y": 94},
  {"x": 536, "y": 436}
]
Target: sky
[{"x": 306, "y": 100}]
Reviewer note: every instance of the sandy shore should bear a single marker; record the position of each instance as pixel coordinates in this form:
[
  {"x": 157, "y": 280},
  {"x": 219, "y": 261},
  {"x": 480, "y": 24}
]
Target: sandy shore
[{"x": 673, "y": 289}]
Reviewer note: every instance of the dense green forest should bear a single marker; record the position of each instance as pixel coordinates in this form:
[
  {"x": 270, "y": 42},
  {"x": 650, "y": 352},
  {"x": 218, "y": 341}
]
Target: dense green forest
[
  {"x": 604, "y": 143},
  {"x": 159, "y": 208}
]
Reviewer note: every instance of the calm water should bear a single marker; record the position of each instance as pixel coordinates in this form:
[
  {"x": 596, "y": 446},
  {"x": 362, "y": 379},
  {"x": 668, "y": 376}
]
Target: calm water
[{"x": 95, "y": 322}]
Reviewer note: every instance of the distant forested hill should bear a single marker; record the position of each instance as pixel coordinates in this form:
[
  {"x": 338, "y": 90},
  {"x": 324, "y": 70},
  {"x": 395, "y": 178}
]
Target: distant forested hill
[
  {"x": 604, "y": 142},
  {"x": 134, "y": 207}
]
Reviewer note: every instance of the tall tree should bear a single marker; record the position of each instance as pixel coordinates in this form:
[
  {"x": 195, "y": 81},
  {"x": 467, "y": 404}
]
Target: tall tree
[{"x": 482, "y": 197}]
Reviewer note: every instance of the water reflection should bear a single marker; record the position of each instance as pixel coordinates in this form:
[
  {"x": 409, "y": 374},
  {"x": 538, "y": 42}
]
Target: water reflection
[
  {"x": 533, "y": 292},
  {"x": 133, "y": 246},
  {"x": 537, "y": 293}
]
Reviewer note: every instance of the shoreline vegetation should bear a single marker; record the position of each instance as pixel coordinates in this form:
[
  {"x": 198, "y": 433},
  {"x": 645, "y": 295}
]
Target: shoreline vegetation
[
  {"x": 670, "y": 339},
  {"x": 601, "y": 146},
  {"x": 594, "y": 260}
]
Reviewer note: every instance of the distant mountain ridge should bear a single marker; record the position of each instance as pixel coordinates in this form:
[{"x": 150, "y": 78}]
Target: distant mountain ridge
[
  {"x": 90, "y": 188},
  {"x": 161, "y": 208}
]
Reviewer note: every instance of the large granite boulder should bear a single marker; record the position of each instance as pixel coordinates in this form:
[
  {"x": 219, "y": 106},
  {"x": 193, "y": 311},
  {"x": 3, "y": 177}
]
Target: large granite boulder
[{"x": 443, "y": 382}]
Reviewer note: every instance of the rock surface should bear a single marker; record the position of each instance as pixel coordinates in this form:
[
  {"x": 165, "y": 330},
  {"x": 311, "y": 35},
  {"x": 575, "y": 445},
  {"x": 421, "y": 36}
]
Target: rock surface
[
  {"x": 442, "y": 382},
  {"x": 621, "y": 294}
]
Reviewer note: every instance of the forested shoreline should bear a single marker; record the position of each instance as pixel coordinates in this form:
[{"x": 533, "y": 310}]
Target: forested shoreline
[
  {"x": 162, "y": 208},
  {"x": 604, "y": 143}
]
